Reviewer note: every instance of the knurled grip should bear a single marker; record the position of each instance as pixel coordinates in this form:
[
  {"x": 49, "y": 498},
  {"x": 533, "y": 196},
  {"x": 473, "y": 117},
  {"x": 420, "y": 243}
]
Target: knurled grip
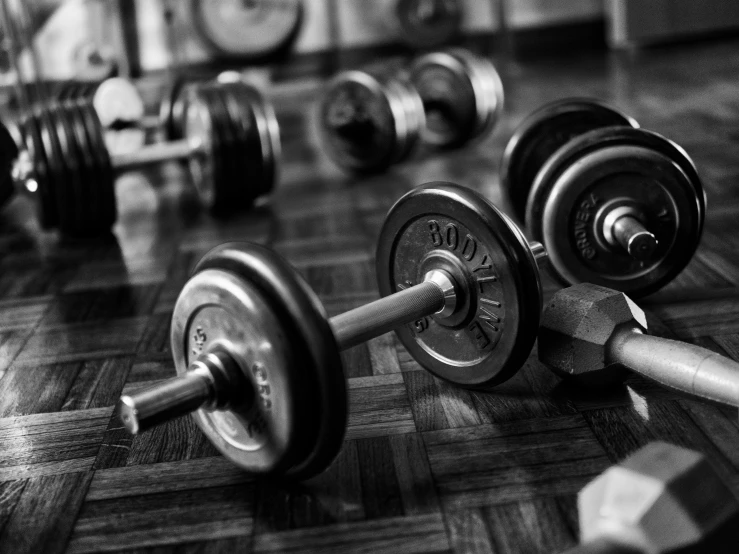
[
  {"x": 680, "y": 365},
  {"x": 374, "y": 319}
]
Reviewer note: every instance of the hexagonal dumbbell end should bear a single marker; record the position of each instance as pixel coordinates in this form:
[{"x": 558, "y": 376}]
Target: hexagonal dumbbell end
[
  {"x": 591, "y": 334},
  {"x": 576, "y": 328},
  {"x": 662, "y": 498}
]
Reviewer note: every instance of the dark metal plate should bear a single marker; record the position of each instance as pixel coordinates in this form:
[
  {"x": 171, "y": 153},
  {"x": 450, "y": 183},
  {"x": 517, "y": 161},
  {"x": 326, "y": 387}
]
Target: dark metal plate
[
  {"x": 105, "y": 185},
  {"x": 288, "y": 326},
  {"x": 447, "y": 226},
  {"x": 359, "y": 123},
  {"x": 541, "y": 134},
  {"x": 40, "y": 185},
  {"x": 607, "y": 169},
  {"x": 8, "y": 156}
]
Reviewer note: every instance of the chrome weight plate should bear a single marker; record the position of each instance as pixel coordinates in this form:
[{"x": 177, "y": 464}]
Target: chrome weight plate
[
  {"x": 428, "y": 23},
  {"x": 620, "y": 168},
  {"x": 541, "y": 134},
  {"x": 462, "y": 96},
  {"x": 248, "y": 299},
  {"x": 364, "y": 121},
  {"x": 251, "y": 29},
  {"x": 447, "y": 226}
]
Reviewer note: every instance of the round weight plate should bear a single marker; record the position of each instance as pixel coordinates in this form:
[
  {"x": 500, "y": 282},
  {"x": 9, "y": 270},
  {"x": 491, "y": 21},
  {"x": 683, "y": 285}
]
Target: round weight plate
[
  {"x": 249, "y": 297},
  {"x": 541, "y": 134},
  {"x": 270, "y": 144},
  {"x": 228, "y": 197},
  {"x": 489, "y": 93},
  {"x": 8, "y": 156},
  {"x": 57, "y": 178},
  {"x": 116, "y": 101},
  {"x": 252, "y": 29},
  {"x": 205, "y": 163},
  {"x": 359, "y": 122},
  {"x": 428, "y": 23},
  {"x": 611, "y": 168},
  {"x": 166, "y": 106},
  {"x": 409, "y": 127},
  {"x": 447, "y": 226},
  {"x": 248, "y": 155},
  {"x": 73, "y": 200},
  {"x": 242, "y": 193},
  {"x": 106, "y": 184},
  {"x": 40, "y": 184},
  {"x": 173, "y": 109},
  {"x": 462, "y": 96},
  {"x": 88, "y": 169}
]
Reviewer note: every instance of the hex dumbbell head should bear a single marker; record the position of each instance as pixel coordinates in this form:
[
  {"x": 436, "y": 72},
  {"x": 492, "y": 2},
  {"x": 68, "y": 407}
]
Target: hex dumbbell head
[
  {"x": 575, "y": 329},
  {"x": 662, "y": 498}
]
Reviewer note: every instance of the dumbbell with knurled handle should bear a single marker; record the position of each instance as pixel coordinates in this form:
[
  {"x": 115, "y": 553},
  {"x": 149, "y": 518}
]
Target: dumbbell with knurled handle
[{"x": 63, "y": 159}]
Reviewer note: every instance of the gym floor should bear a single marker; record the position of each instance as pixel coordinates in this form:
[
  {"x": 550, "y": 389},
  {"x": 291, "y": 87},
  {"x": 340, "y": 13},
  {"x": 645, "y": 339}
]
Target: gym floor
[{"x": 425, "y": 467}]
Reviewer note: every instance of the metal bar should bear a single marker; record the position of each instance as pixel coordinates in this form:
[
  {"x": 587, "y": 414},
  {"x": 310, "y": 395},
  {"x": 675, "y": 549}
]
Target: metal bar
[
  {"x": 383, "y": 315},
  {"x": 152, "y": 154}
]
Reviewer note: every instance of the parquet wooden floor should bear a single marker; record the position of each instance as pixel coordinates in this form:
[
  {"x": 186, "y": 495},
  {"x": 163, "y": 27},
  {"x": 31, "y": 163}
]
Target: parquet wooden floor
[{"x": 426, "y": 467}]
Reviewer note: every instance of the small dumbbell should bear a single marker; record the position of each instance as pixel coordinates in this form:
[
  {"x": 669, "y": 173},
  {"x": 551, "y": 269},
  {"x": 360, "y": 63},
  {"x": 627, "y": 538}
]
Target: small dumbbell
[
  {"x": 371, "y": 119},
  {"x": 258, "y": 360},
  {"x": 593, "y": 336},
  {"x": 612, "y": 204},
  {"x": 232, "y": 155},
  {"x": 661, "y": 499}
]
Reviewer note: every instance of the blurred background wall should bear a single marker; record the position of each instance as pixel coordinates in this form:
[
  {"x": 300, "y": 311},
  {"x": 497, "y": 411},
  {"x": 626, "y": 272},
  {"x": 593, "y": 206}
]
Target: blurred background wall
[{"x": 71, "y": 33}]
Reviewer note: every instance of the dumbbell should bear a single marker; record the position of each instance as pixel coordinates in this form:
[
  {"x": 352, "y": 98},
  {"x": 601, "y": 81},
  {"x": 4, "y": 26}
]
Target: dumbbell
[
  {"x": 258, "y": 360},
  {"x": 593, "y": 336},
  {"x": 613, "y": 204},
  {"x": 662, "y": 498},
  {"x": 64, "y": 161},
  {"x": 371, "y": 119}
]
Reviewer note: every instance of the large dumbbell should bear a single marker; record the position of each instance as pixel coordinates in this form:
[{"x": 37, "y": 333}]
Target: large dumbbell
[
  {"x": 371, "y": 119},
  {"x": 612, "y": 204},
  {"x": 593, "y": 336},
  {"x": 258, "y": 360},
  {"x": 661, "y": 499},
  {"x": 64, "y": 160}
]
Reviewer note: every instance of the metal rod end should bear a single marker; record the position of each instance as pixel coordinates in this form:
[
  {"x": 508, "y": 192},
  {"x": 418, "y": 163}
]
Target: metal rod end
[
  {"x": 128, "y": 414},
  {"x": 638, "y": 241}
]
